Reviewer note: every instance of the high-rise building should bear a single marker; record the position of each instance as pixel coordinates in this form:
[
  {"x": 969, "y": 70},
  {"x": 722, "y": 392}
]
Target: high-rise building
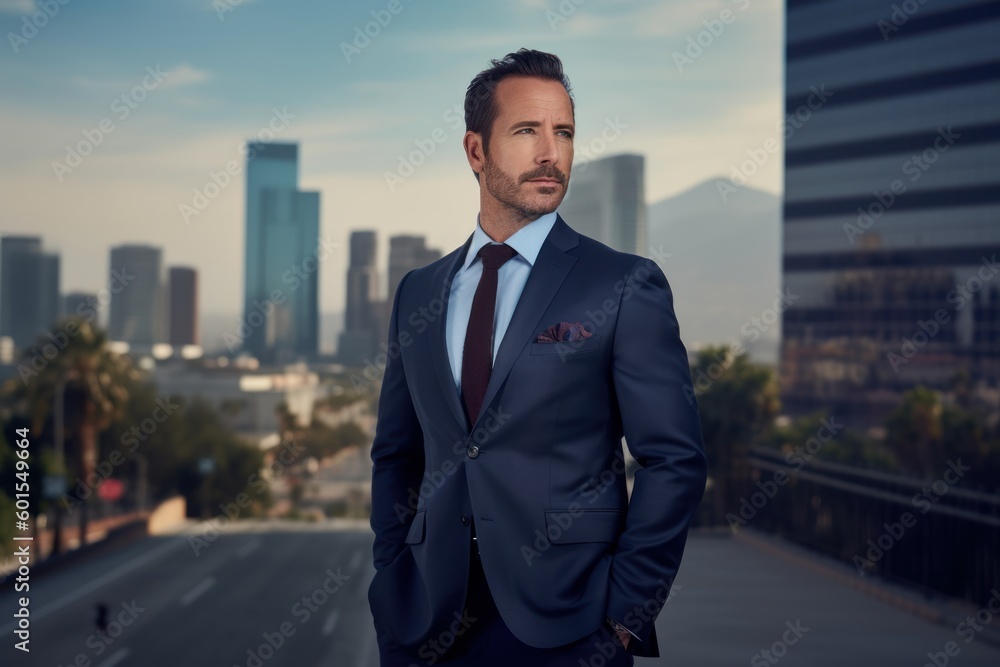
[
  {"x": 359, "y": 338},
  {"x": 81, "y": 304},
  {"x": 281, "y": 295},
  {"x": 138, "y": 310},
  {"x": 183, "y": 306},
  {"x": 405, "y": 254},
  {"x": 607, "y": 201},
  {"x": 29, "y": 289},
  {"x": 892, "y": 201},
  {"x": 49, "y": 304}
]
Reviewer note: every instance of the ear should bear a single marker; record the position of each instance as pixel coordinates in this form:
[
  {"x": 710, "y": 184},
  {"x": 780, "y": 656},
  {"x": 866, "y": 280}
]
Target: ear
[{"x": 472, "y": 142}]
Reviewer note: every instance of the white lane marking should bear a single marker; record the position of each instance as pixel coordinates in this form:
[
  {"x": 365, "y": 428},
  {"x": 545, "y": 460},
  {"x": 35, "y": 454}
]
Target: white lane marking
[
  {"x": 115, "y": 658},
  {"x": 197, "y": 591},
  {"x": 249, "y": 548},
  {"x": 330, "y": 622},
  {"x": 88, "y": 588},
  {"x": 355, "y": 560}
]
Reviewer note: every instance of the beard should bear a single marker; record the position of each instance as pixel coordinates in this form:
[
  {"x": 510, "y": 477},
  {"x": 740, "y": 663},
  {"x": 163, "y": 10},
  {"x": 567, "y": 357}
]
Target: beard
[{"x": 506, "y": 190}]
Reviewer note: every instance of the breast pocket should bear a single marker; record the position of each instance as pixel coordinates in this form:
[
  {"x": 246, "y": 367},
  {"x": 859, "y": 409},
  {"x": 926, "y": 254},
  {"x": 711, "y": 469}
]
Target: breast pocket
[{"x": 568, "y": 349}]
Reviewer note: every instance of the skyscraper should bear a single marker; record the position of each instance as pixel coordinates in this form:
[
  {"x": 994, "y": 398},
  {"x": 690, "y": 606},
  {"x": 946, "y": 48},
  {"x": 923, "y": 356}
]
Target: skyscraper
[
  {"x": 29, "y": 289},
  {"x": 81, "y": 304},
  {"x": 892, "y": 201},
  {"x": 183, "y": 306},
  {"x": 358, "y": 340},
  {"x": 137, "y": 308},
  {"x": 281, "y": 307},
  {"x": 405, "y": 254},
  {"x": 607, "y": 201}
]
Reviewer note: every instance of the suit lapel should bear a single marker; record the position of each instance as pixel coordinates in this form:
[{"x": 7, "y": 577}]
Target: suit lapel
[
  {"x": 439, "y": 340},
  {"x": 546, "y": 277}
]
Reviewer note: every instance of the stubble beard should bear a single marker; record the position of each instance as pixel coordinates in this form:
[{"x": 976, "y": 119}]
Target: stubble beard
[{"x": 505, "y": 189}]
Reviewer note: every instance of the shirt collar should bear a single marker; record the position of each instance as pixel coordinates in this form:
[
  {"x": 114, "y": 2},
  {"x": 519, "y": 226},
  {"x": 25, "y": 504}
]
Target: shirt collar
[{"x": 527, "y": 241}]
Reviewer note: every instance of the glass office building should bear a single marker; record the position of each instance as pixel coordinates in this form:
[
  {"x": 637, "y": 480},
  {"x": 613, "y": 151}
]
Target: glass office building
[
  {"x": 29, "y": 289},
  {"x": 607, "y": 201},
  {"x": 138, "y": 307},
  {"x": 281, "y": 308},
  {"x": 183, "y": 306},
  {"x": 891, "y": 225},
  {"x": 359, "y": 339}
]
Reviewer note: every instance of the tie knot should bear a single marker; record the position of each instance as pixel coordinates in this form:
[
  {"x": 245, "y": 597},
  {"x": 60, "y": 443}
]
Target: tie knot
[{"x": 495, "y": 255}]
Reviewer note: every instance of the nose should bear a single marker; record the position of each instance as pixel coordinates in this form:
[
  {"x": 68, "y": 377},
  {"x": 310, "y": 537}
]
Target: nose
[{"x": 548, "y": 150}]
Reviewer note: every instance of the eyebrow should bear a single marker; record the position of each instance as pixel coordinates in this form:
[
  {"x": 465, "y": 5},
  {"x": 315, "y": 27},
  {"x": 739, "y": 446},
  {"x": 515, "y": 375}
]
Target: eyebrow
[{"x": 534, "y": 123}]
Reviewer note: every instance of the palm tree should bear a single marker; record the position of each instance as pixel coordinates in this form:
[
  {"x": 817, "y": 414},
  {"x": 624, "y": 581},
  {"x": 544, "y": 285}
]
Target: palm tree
[{"x": 83, "y": 377}]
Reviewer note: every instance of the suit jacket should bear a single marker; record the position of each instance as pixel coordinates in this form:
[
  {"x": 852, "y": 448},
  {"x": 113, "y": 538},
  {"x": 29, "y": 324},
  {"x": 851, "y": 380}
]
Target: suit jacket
[{"x": 541, "y": 471}]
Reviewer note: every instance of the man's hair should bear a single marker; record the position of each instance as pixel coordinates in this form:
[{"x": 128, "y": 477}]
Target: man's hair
[{"x": 481, "y": 107}]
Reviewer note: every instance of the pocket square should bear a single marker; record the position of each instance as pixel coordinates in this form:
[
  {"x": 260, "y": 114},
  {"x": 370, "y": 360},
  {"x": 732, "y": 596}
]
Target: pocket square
[{"x": 563, "y": 332}]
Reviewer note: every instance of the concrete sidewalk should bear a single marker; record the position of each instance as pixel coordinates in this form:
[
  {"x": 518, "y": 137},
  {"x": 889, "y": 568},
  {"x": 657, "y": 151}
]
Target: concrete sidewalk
[{"x": 753, "y": 600}]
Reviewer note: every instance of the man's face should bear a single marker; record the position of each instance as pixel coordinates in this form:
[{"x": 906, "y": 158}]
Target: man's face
[{"x": 527, "y": 165}]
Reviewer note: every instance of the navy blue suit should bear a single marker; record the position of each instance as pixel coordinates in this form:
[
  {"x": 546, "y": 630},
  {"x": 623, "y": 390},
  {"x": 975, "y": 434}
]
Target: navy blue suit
[{"x": 540, "y": 474}]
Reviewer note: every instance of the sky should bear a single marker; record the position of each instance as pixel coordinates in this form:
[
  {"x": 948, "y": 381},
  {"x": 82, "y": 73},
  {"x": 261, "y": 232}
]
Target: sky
[{"x": 161, "y": 96}]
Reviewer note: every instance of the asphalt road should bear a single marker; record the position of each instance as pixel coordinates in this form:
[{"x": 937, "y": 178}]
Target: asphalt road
[
  {"x": 735, "y": 603},
  {"x": 237, "y": 601}
]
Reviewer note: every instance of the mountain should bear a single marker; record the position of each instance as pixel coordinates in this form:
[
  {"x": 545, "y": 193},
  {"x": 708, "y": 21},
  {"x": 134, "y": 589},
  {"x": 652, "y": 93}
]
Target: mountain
[{"x": 723, "y": 262}]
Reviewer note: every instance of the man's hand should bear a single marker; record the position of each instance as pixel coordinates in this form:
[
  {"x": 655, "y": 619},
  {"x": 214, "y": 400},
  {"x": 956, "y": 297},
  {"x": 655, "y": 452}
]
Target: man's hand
[{"x": 623, "y": 633}]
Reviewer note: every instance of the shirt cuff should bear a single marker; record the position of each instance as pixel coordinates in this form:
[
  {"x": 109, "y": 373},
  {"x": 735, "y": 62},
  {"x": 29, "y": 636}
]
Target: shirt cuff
[{"x": 618, "y": 626}]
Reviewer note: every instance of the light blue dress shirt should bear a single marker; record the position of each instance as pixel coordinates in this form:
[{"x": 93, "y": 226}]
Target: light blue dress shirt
[{"x": 527, "y": 241}]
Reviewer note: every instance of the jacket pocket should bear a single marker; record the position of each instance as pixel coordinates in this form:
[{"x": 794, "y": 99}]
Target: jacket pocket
[{"x": 567, "y": 348}]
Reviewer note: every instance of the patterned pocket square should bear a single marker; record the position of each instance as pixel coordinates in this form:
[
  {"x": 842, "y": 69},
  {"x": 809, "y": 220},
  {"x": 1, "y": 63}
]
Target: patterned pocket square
[{"x": 563, "y": 332}]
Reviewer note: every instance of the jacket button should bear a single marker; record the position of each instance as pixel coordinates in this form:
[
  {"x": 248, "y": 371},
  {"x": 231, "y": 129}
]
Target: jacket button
[
  {"x": 473, "y": 451},
  {"x": 464, "y": 519}
]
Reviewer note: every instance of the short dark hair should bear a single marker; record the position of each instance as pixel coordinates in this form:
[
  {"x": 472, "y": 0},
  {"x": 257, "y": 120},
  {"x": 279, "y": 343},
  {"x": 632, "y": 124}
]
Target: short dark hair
[{"x": 480, "y": 99}]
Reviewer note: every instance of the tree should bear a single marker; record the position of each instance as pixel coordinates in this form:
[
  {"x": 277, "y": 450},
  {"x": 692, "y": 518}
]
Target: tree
[
  {"x": 737, "y": 401},
  {"x": 91, "y": 383},
  {"x": 925, "y": 432},
  {"x": 914, "y": 432},
  {"x": 846, "y": 447}
]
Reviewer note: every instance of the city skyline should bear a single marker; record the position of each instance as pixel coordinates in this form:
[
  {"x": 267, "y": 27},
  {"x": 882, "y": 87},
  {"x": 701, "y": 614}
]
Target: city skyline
[{"x": 391, "y": 106}]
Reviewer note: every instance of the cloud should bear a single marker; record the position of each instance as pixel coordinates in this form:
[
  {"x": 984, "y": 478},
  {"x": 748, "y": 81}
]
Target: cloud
[
  {"x": 17, "y": 6},
  {"x": 183, "y": 75},
  {"x": 177, "y": 76}
]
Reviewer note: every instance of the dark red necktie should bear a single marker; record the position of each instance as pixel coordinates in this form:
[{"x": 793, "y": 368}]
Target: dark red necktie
[{"x": 477, "y": 355}]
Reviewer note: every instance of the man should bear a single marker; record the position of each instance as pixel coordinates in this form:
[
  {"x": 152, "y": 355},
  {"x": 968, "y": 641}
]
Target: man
[{"x": 503, "y": 528}]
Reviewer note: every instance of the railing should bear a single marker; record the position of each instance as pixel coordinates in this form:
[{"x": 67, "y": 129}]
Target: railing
[{"x": 931, "y": 534}]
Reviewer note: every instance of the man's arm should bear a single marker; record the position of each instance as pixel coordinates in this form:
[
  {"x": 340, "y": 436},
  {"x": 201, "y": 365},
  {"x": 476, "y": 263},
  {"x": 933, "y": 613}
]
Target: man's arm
[
  {"x": 663, "y": 432},
  {"x": 397, "y": 452}
]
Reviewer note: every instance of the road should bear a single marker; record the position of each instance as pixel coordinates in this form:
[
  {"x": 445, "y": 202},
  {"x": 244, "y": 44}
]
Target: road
[
  {"x": 214, "y": 607},
  {"x": 214, "y": 603}
]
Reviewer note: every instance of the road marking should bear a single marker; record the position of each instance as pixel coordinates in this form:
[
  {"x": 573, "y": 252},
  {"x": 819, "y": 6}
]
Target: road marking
[
  {"x": 115, "y": 658},
  {"x": 150, "y": 555},
  {"x": 248, "y": 548},
  {"x": 197, "y": 591},
  {"x": 355, "y": 560},
  {"x": 330, "y": 622}
]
